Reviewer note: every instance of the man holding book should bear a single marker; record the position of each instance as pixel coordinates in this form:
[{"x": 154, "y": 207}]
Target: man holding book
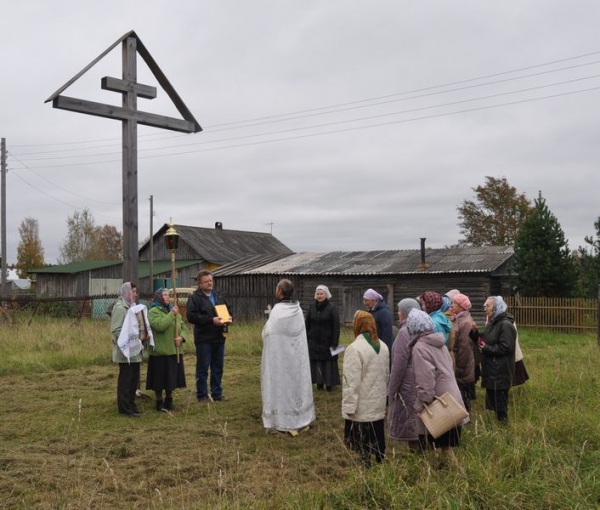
[{"x": 210, "y": 330}]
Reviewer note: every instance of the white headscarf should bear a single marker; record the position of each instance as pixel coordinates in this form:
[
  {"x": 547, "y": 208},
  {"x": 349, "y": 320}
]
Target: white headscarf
[
  {"x": 324, "y": 289},
  {"x": 499, "y": 306},
  {"x": 419, "y": 322},
  {"x": 127, "y": 294}
]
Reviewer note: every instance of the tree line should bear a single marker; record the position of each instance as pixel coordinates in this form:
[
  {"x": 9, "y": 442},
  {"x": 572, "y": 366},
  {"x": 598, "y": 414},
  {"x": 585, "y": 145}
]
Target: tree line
[
  {"x": 544, "y": 265},
  {"x": 498, "y": 215},
  {"x": 84, "y": 241}
]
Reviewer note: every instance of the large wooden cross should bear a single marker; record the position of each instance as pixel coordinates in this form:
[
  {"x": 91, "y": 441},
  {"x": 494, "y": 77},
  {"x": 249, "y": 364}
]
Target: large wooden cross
[{"x": 130, "y": 117}]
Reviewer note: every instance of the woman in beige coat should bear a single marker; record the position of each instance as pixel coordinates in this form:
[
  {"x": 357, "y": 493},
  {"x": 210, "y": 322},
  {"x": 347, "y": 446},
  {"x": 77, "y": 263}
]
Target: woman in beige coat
[{"x": 364, "y": 390}]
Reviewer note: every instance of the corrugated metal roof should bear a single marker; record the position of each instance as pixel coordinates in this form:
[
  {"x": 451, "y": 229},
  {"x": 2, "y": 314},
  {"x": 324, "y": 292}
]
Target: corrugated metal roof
[
  {"x": 446, "y": 260},
  {"x": 246, "y": 264}
]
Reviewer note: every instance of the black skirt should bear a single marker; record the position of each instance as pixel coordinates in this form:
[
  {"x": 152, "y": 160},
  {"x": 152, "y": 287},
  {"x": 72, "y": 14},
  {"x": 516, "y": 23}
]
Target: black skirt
[
  {"x": 325, "y": 372},
  {"x": 450, "y": 438},
  {"x": 367, "y": 438},
  {"x": 164, "y": 373},
  {"x": 521, "y": 374}
]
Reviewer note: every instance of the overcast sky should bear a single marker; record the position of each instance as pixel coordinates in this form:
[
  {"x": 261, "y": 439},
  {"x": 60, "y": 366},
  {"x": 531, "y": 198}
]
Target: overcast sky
[{"x": 347, "y": 125}]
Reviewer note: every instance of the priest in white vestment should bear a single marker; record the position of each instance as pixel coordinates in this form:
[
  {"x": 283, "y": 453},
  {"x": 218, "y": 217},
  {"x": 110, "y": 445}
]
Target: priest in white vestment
[{"x": 285, "y": 371}]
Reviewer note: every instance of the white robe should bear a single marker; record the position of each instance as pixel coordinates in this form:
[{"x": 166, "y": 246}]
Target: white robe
[{"x": 285, "y": 370}]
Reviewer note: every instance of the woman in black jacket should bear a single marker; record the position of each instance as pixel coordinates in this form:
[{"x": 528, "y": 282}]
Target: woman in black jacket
[
  {"x": 498, "y": 356},
  {"x": 323, "y": 333}
]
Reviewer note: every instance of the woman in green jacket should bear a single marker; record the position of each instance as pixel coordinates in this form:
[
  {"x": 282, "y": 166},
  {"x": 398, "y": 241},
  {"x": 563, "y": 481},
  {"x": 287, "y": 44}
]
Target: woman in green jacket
[{"x": 165, "y": 371}]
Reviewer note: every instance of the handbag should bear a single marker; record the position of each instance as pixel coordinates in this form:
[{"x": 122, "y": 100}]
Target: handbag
[{"x": 443, "y": 414}]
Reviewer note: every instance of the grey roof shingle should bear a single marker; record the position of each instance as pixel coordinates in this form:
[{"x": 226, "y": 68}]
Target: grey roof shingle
[
  {"x": 223, "y": 246},
  {"x": 446, "y": 260}
]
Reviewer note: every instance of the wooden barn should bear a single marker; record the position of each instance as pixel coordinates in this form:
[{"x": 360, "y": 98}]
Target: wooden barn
[
  {"x": 199, "y": 248},
  {"x": 476, "y": 271}
]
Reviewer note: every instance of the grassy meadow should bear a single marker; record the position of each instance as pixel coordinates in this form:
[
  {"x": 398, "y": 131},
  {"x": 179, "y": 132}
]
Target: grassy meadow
[{"x": 63, "y": 444}]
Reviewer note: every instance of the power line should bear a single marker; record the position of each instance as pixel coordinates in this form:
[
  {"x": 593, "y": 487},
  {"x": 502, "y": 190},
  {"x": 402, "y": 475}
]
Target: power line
[
  {"x": 334, "y": 123},
  {"x": 309, "y": 135},
  {"x": 61, "y": 187},
  {"x": 424, "y": 89},
  {"x": 54, "y": 198}
]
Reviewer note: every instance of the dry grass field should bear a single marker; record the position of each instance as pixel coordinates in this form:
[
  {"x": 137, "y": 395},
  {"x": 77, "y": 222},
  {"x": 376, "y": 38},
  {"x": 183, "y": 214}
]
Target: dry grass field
[{"x": 64, "y": 446}]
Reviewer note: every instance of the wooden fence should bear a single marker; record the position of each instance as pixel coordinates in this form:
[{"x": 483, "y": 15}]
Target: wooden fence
[{"x": 570, "y": 315}]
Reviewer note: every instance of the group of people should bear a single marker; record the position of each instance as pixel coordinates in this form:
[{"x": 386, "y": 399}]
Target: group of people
[
  {"x": 161, "y": 331},
  {"x": 437, "y": 349}
]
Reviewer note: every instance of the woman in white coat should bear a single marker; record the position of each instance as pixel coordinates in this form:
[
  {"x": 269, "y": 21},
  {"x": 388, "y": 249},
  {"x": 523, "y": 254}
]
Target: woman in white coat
[{"x": 364, "y": 390}]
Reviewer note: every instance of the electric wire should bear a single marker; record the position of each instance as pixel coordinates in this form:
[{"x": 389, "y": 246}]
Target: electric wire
[
  {"x": 57, "y": 185},
  {"x": 309, "y": 135},
  {"x": 334, "y": 123},
  {"x": 493, "y": 75}
]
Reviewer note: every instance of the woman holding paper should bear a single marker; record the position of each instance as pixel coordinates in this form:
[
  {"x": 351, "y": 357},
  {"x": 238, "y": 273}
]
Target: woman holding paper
[{"x": 323, "y": 333}]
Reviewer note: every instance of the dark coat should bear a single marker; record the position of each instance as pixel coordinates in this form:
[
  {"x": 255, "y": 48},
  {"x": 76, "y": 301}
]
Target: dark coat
[
  {"x": 322, "y": 330},
  {"x": 201, "y": 312},
  {"x": 383, "y": 320},
  {"x": 498, "y": 355}
]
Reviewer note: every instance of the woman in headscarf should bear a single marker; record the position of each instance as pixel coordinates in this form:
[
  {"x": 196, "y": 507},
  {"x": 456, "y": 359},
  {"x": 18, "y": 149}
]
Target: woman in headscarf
[
  {"x": 364, "y": 389},
  {"x": 431, "y": 302},
  {"x": 402, "y": 421},
  {"x": 498, "y": 356},
  {"x": 377, "y": 306},
  {"x": 323, "y": 334},
  {"x": 165, "y": 371},
  {"x": 462, "y": 350},
  {"x": 129, "y": 369},
  {"x": 433, "y": 374}
]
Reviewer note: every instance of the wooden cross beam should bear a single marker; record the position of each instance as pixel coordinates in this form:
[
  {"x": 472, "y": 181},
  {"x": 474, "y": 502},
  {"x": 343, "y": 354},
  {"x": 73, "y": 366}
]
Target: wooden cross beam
[{"x": 130, "y": 117}]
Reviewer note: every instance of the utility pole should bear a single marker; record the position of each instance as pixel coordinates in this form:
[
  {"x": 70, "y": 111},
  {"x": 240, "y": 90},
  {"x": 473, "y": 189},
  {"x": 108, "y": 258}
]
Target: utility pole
[
  {"x": 151, "y": 246},
  {"x": 3, "y": 213}
]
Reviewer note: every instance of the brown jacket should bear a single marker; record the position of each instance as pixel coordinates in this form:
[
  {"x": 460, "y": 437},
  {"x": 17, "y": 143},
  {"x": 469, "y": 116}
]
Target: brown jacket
[{"x": 464, "y": 362}]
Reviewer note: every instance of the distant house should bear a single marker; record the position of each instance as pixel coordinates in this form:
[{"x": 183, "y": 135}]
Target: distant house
[
  {"x": 19, "y": 285},
  {"x": 476, "y": 271},
  {"x": 199, "y": 248}
]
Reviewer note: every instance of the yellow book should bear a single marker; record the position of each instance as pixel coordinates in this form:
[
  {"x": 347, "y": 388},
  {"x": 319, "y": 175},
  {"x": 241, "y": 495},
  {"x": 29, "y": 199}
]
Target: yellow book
[{"x": 223, "y": 313}]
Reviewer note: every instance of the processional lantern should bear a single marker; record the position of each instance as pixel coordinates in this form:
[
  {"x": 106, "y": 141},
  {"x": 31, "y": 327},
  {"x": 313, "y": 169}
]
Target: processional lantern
[{"x": 172, "y": 242}]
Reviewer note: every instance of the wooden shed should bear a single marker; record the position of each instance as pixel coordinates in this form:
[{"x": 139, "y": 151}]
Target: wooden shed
[
  {"x": 476, "y": 271},
  {"x": 199, "y": 248}
]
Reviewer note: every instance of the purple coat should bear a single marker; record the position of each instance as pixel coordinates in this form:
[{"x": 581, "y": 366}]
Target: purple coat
[
  {"x": 433, "y": 372},
  {"x": 402, "y": 396}
]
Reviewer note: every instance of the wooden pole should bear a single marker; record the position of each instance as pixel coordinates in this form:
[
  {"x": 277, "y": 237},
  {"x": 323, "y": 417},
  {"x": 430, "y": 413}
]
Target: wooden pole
[
  {"x": 151, "y": 244},
  {"x": 130, "y": 181},
  {"x": 3, "y": 266},
  {"x": 175, "y": 300}
]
